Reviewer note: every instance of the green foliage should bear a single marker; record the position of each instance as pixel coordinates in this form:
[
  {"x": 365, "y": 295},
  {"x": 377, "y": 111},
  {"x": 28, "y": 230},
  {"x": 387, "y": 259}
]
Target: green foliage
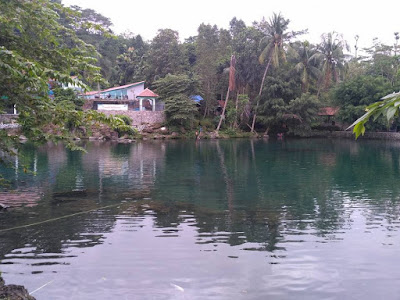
[
  {"x": 387, "y": 107},
  {"x": 127, "y": 120},
  {"x": 172, "y": 85},
  {"x": 207, "y": 124},
  {"x": 180, "y": 109},
  {"x": 270, "y": 114},
  {"x": 349, "y": 113},
  {"x": 282, "y": 83},
  {"x": 274, "y": 52},
  {"x": 301, "y": 113},
  {"x": 382, "y": 68},
  {"x": 306, "y": 64},
  {"x": 130, "y": 66},
  {"x": 275, "y": 35},
  {"x": 295, "y": 117},
  {"x": 246, "y": 46},
  {"x": 165, "y": 55},
  {"x": 382, "y": 63},
  {"x": 126, "y": 130},
  {"x": 331, "y": 53},
  {"x": 59, "y": 120},
  {"x": 175, "y": 90},
  {"x": 229, "y": 132},
  {"x": 213, "y": 50},
  {"x": 42, "y": 40},
  {"x": 70, "y": 95},
  {"x": 95, "y": 29},
  {"x": 230, "y": 114},
  {"x": 361, "y": 90},
  {"x": 125, "y": 127},
  {"x": 356, "y": 94},
  {"x": 236, "y": 111},
  {"x": 38, "y": 42}
]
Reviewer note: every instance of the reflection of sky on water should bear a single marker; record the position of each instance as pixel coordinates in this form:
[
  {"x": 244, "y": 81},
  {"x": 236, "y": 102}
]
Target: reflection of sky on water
[
  {"x": 138, "y": 259},
  {"x": 218, "y": 219}
]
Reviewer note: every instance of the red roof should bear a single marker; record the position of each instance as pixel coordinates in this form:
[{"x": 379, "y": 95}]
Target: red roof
[
  {"x": 328, "y": 111},
  {"x": 148, "y": 93}
]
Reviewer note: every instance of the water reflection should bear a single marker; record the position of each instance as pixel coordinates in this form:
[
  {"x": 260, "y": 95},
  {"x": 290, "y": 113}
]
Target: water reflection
[{"x": 289, "y": 215}]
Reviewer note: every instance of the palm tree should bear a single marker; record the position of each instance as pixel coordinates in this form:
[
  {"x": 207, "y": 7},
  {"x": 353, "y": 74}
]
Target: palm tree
[
  {"x": 275, "y": 35},
  {"x": 330, "y": 51},
  {"x": 307, "y": 63}
]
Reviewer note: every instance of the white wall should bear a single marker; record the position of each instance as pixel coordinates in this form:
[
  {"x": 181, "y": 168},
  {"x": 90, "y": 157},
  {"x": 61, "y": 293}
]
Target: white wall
[{"x": 135, "y": 90}]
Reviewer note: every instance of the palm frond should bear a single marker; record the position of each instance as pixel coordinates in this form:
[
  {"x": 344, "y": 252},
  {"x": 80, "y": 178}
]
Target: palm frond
[{"x": 265, "y": 53}]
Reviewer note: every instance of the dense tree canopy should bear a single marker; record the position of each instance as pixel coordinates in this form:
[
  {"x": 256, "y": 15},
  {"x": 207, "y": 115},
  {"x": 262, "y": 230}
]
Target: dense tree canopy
[
  {"x": 176, "y": 91},
  {"x": 277, "y": 74},
  {"x": 37, "y": 47}
]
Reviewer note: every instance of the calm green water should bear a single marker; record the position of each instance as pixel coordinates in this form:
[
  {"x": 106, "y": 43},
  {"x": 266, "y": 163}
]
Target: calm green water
[{"x": 237, "y": 219}]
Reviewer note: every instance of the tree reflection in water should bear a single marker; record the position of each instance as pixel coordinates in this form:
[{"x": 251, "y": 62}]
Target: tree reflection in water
[{"x": 255, "y": 193}]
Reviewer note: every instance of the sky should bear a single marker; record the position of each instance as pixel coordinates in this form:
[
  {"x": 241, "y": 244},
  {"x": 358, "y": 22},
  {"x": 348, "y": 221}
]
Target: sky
[{"x": 367, "y": 19}]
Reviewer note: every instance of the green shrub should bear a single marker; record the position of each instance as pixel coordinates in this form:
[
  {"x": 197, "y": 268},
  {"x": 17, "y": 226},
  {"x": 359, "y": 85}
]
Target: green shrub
[
  {"x": 180, "y": 110},
  {"x": 127, "y": 120},
  {"x": 207, "y": 124},
  {"x": 126, "y": 129}
]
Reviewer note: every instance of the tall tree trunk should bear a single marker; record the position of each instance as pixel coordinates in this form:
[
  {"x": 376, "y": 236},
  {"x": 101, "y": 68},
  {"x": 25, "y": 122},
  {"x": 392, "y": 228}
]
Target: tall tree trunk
[
  {"x": 231, "y": 87},
  {"x": 223, "y": 111},
  {"x": 259, "y": 93}
]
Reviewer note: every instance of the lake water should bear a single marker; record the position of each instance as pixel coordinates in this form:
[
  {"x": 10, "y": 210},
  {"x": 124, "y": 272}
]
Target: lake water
[{"x": 229, "y": 219}]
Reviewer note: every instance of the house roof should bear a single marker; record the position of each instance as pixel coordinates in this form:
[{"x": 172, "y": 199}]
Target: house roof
[
  {"x": 148, "y": 93},
  {"x": 122, "y": 87},
  {"x": 90, "y": 93},
  {"x": 113, "y": 88},
  {"x": 328, "y": 111}
]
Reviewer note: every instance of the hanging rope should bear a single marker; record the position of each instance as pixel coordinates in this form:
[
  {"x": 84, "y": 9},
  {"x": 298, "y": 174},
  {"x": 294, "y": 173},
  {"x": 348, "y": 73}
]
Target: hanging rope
[{"x": 59, "y": 218}]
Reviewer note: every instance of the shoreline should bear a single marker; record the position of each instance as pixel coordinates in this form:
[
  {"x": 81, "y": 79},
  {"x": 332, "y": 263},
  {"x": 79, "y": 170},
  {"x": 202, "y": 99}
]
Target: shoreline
[{"x": 156, "y": 134}]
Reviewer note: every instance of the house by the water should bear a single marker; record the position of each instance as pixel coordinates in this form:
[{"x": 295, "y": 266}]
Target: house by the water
[{"x": 140, "y": 104}]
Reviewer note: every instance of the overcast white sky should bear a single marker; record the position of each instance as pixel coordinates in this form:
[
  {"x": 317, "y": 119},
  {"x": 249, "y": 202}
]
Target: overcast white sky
[{"x": 368, "y": 19}]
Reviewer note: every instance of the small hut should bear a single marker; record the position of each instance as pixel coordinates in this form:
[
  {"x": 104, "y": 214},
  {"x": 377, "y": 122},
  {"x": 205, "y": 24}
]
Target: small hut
[
  {"x": 148, "y": 101},
  {"x": 328, "y": 113}
]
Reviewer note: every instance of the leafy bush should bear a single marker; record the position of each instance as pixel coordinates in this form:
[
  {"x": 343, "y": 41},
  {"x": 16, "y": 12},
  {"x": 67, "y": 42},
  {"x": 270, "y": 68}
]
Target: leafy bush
[
  {"x": 304, "y": 111},
  {"x": 354, "y": 95},
  {"x": 362, "y": 90},
  {"x": 126, "y": 129},
  {"x": 70, "y": 95},
  {"x": 230, "y": 132},
  {"x": 207, "y": 124},
  {"x": 127, "y": 120},
  {"x": 175, "y": 90},
  {"x": 180, "y": 109},
  {"x": 172, "y": 85}
]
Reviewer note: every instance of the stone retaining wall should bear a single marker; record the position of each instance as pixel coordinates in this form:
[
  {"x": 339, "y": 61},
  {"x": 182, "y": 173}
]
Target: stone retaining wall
[
  {"x": 8, "y": 118},
  {"x": 139, "y": 117}
]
